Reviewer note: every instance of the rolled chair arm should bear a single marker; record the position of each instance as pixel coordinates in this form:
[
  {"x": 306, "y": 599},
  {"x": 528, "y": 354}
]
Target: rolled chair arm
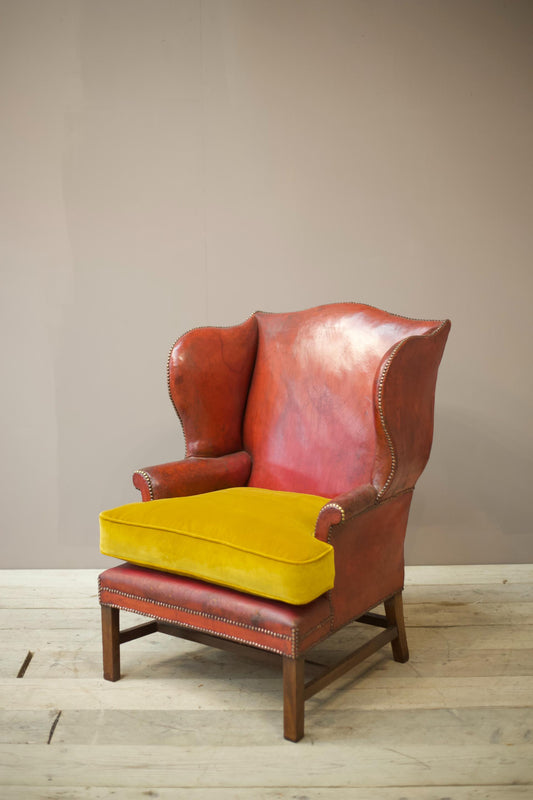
[
  {"x": 367, "y": 538},
  {"x": 344, "y": 507},
  {"x": 192, "y": 476}
]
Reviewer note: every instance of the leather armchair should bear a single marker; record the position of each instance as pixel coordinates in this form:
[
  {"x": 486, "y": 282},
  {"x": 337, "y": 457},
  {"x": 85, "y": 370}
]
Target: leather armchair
[{"x": 334, "y": 402}]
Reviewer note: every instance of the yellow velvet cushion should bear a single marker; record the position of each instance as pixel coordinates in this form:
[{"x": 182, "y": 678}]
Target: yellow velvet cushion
[{"x": 255, "y": 540}]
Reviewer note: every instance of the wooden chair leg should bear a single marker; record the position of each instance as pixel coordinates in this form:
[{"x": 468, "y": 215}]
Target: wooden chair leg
[
  {"x": 111, "y": 643},
  {"x": 293, "y": 698},
  {"x": 394, "y": 614}
]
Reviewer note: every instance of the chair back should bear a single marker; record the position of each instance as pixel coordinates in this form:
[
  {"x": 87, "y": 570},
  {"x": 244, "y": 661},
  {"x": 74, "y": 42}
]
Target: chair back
[{"x": 314, "y": 420}]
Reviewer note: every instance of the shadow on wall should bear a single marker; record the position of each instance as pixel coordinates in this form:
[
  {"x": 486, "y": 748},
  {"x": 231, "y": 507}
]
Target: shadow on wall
[{"x": 469, "y": 505}]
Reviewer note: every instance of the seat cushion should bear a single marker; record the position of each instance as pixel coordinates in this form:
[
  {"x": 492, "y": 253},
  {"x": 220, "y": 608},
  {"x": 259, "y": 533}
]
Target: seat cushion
[{"x": 255, "y": 540}]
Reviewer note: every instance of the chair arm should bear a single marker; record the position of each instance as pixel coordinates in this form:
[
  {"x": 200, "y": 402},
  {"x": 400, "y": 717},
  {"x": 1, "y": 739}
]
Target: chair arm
[
  {"x": 368, "y": 547},
  {"x": 192, "y": 476},
  {"x": 344, "y": 507}
]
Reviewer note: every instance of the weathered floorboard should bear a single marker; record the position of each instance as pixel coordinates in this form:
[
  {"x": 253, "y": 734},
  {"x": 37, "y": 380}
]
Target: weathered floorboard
[
  {"x": 181, "y": 728},
  {"x": 268, "y": 765},
  {"x": 502, "y": 792},
  {"x": 194, "y": 661},
  {"x": 373, "y": 690},
  {"x": 455, "y": 722}
]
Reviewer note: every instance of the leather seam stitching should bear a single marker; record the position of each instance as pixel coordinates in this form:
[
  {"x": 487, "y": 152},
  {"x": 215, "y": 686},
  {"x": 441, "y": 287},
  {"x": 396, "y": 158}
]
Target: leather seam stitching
[{"x": 313, "y": 629}]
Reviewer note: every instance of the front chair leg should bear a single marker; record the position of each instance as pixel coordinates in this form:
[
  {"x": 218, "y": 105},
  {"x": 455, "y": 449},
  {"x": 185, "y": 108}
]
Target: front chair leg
[
  {"x": 394, "y": 614},
  {"x": 111, "y": 643},
  {"x": 293, "y": 698}
]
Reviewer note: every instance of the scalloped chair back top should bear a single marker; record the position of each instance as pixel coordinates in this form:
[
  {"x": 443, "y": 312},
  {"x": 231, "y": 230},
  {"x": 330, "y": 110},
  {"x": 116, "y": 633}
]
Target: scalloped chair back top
[{"x": 313, "y": 381}]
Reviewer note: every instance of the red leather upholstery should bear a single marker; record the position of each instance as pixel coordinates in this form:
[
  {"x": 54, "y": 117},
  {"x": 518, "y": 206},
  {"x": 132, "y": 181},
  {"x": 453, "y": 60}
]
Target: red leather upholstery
[
  {"x": 310, "y": 418},
  {"x": 267, "y": 624},
  {"x": 335, "y": 401},
  {"x": 369, "y": 562},
  {"x": 193, "y": 476},
  {"x": 321, "y": 401},
  {"x": 209, "y": 373},
  {"x": 404, "y": 405}
]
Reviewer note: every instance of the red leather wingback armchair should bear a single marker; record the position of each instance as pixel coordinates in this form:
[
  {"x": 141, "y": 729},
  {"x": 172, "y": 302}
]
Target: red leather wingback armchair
[{"x": 330, "y": 407}]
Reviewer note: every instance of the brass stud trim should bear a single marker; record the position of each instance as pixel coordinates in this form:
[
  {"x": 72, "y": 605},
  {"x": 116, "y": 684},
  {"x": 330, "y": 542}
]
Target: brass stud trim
[
  {"x": 147, "y": 478},
  {"x": 337, "y": 507},
  {"x": 191, "y": 611},
  {"x": 386, "y": 368}
]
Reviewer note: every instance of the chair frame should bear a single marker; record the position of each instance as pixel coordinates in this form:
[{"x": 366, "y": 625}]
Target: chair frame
[
  {"x": 296, "y": 690},
  {"x": 368, "y": 469}
]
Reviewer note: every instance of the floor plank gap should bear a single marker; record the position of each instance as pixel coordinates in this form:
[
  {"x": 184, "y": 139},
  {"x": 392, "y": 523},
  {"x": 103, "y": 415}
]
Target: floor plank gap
[
  {"x": 53, "y": 727},
  {"x": 25, "y": 664}
]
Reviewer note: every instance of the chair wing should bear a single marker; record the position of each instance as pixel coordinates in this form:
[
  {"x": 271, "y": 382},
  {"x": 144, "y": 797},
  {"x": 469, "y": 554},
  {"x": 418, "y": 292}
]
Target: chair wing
[
  {"x": 209, "y": 371},
  {"x": 404, "y": 401}
]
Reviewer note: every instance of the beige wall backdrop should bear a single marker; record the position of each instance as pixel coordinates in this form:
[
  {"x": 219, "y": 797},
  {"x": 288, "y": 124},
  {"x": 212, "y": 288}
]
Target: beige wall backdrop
[{"x": 172, "y": 163}]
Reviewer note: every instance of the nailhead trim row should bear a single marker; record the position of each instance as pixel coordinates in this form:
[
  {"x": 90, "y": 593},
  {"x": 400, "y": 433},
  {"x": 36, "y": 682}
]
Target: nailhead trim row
[
  {"x": 295, "y": 637},
  {"x": 379, "y": 394},
  {"x": 382, "y": 413},
  {"x": 334, "y": 505},
  {"x": 271, "y": 313},
  {"x": 201, "y": 630},
  {"x": 147, "y": 478},
  {"x": 193, "y": 612},
  {"x": 383, "y": 422}
]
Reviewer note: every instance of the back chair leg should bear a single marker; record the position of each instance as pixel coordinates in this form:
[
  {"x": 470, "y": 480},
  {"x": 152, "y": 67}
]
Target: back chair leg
[
  {"x": 111, "y": 643},
  {"x": 293, "y": 698},
  {"x": 394, "y": 614}
]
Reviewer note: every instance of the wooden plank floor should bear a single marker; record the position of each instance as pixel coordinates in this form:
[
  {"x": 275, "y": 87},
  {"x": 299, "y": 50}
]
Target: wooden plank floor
[{"x": 185, "y": 721}]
